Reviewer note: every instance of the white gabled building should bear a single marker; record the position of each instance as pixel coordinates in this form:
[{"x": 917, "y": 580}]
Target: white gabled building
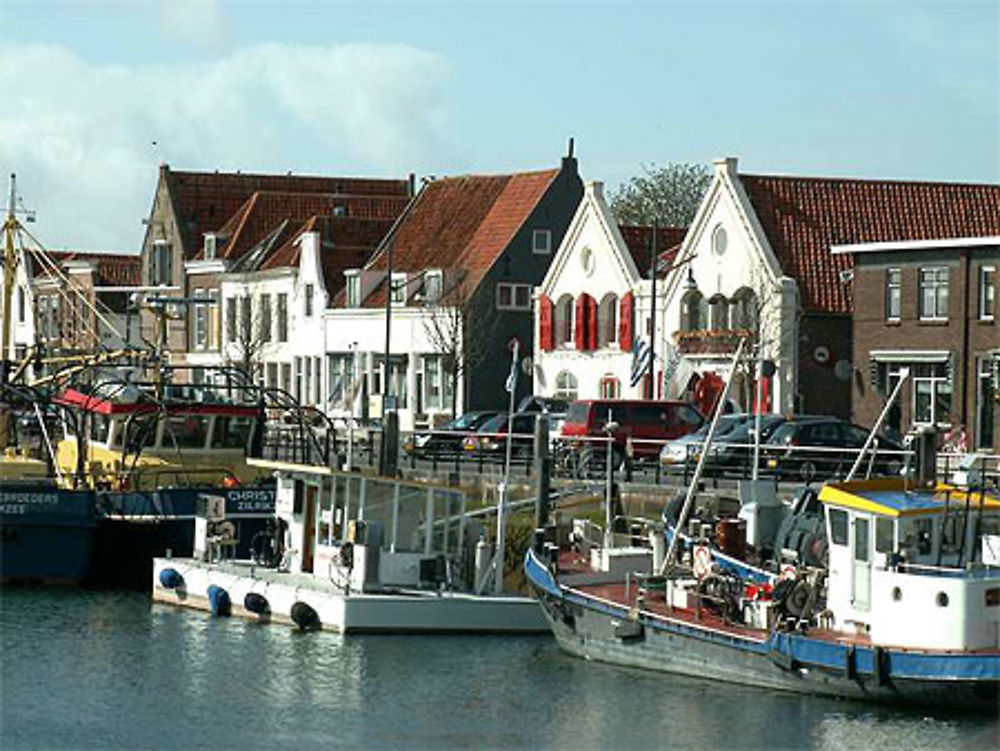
[
  {"x": 594, "y": 307},
  {"x": 728, "y": 283}
]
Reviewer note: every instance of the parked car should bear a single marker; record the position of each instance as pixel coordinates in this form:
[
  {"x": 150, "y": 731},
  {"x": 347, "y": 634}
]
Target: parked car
[
  {"x": 815, "y": 448},
  {"x": 683, "y": 451},
  {"x": 735, "y": 449},
  {"x": 644, "y": 424},
  {"x": 491, "y": 438},
  {"x": 447, "y": 440}
]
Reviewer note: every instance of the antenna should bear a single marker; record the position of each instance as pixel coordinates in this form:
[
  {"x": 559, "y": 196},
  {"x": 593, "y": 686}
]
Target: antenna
[{"x": 15, "y": 204}]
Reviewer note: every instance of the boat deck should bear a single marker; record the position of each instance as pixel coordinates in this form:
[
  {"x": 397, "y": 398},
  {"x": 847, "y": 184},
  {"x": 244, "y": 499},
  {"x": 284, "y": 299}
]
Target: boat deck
[{"x": 575, "y": 572}]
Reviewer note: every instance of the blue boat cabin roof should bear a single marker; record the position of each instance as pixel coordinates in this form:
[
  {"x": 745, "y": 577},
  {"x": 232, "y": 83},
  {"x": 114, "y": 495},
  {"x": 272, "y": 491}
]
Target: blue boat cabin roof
[{"x": 892, "y": 497}]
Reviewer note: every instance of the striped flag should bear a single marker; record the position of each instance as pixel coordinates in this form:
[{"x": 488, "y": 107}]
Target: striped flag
[{"x": 640, "y": 360}]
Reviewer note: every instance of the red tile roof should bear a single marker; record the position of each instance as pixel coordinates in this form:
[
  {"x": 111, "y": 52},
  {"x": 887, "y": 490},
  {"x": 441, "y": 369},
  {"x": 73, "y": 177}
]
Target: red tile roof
[
  {"x": 345, "y": 243},
  {"x": 111, "y": 269},
  {"x": 204, "y": 201},
  {"x": 265, "y": 210},
  {"x": 638, "y": 239},
  {"x": 803, "y": 217},
  {"x": 462, "y": 224}
]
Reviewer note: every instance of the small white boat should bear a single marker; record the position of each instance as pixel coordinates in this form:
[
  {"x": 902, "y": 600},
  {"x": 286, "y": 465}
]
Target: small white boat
[{"x": 352, "y": 553}]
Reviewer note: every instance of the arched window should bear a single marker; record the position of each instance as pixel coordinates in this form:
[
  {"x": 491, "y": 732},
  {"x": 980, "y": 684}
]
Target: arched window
[
  {"x": 693, "y": 311},
  {"x": 607, "y": 320},
  {"x": 718, "y": 313},
  {"x": 744, "y": 310},
  {"x": 565, "y": 386},
  {"x": 610, "y": 387},
  {"x": 564, "y": 321}
]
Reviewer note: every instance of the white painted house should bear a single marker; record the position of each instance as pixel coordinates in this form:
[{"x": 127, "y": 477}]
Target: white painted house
[
  {"x": 728, "y": 283},
  {"x": 591, "y": 337}
]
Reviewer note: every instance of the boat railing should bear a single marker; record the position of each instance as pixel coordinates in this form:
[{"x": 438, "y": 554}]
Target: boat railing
[{"x": 972, "y": 570}]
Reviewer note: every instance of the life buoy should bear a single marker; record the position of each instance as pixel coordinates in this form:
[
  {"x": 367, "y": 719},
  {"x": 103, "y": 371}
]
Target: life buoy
[
  {"x": 701, "y": 561},
  {"x": 788, "y": 571}
]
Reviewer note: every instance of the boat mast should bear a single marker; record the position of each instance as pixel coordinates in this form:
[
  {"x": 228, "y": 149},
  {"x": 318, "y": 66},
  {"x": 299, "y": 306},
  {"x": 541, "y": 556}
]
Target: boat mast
[
  {"x": 9, "y": 269},
  {"x": 688, "y": 500}
]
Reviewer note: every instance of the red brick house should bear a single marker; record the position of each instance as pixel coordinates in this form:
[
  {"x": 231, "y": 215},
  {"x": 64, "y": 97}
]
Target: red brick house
[{"x": 926, "y": 302}]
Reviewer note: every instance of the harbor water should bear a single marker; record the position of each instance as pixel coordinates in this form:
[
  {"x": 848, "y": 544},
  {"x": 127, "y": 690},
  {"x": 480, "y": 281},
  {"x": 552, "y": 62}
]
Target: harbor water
[{"x": 107, "y": 670}]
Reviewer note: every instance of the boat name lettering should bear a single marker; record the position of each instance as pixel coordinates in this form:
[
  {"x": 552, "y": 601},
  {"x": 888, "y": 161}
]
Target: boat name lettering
[
  {"x": 8, "y": 501},
  {"x": 251, "y": 495}
]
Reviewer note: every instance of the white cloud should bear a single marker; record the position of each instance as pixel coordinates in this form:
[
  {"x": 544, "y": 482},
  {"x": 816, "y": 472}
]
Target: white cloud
[{"x": 81, "y": 136}]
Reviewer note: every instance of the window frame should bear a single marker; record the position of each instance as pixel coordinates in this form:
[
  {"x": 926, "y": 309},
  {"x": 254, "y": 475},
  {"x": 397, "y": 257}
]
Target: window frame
[
  {"x": 544, "y": 248},
  {"x": 610, "y": 386},
  {"x": 282, "y": 316},
  {"x": 433, "y": 285},
  {"x": 200, "y": 320},
  {"x": 936, "y": 285},
  {"x": 893, "y": 293},
  {"x": 936, "y": 381},
  {"x": 987, "y": 292},
  {"x": 352, "y": 289},
  {"x": 512, "y": 288},
  {"x": 309, "y": 301},
  {"x": 567, "y": 386}
]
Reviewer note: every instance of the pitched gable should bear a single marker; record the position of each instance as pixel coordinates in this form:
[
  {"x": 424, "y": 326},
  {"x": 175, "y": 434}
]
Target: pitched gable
[{"x": 462, "y": 224}]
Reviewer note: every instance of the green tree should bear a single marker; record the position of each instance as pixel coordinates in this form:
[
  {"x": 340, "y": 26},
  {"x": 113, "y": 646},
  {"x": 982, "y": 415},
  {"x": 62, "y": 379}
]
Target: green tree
[{"x": 669, "y": 195}]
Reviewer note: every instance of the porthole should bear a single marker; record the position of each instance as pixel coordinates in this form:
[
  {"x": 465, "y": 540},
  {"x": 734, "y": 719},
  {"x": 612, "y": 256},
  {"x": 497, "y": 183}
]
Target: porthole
[
  {"x": 942, "y": 600},
  {"x": 897, "y": 594}
]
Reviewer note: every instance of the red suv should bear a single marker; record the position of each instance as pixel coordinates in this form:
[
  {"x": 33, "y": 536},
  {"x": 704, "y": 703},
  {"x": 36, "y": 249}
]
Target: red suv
[{"x": 647, "y": 423}]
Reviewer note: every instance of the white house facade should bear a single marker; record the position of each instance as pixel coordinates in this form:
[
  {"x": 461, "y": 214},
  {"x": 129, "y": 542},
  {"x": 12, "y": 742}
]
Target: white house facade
[
  {"x": 727, "y": 283},
  {"x": 588, "y": 304}
]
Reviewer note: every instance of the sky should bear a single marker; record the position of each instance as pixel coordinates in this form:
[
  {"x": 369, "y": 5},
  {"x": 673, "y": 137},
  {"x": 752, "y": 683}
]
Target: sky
[{"x": 98, "y": 93}]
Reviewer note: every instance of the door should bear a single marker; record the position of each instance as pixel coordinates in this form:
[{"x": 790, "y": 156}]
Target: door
[{"x": 861, "y": 554}]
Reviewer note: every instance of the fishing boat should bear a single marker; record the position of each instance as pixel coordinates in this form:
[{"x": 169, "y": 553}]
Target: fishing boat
[{"x": 883, "y": 589}]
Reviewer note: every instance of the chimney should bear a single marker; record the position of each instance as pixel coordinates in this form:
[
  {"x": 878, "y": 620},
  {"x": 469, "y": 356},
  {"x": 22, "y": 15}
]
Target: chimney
[{"x": 569, "y": 161}]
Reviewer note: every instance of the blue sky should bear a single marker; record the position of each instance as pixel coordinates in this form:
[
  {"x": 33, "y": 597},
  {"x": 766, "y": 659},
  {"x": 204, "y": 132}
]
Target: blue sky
[{"x": 884, "y": 89}]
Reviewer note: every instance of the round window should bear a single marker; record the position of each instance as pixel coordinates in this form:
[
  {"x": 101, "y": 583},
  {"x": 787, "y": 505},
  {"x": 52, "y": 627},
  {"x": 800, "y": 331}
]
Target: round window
[
  {"x": 587, "y": 261},
  {"x": 719, "y": 240}
]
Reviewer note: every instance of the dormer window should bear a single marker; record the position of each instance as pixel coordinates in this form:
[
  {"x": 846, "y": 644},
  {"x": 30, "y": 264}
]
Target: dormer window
[
  {"x": 398, "y": 289},
  {"x": 432, "y": 285},
  {"x": 211, "y": 242},
  {"x": 541, "y": 241},
  {"x": 353, "y": 288}
]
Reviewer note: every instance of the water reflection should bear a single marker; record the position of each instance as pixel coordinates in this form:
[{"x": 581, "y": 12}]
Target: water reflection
[{"x": 103, "y": 670}]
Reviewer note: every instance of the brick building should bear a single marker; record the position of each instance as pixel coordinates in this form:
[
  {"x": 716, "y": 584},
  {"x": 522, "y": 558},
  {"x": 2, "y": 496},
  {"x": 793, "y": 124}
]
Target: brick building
[{"x": 930, "y": 306}]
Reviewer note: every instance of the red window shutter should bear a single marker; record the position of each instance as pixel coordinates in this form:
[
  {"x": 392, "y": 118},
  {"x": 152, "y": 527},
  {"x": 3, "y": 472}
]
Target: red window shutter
[
  {"x": 625, "y": 332},
  {"x": 580, "y": 322},
  {"x": 591, "y": 305},
  {"x": 545, "y": 315}
]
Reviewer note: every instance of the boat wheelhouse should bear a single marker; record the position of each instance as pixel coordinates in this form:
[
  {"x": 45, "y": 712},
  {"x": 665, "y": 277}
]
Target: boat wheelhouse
[
  {"x": 131, "y": 441},
  {"x": 917, "y": 568}
]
